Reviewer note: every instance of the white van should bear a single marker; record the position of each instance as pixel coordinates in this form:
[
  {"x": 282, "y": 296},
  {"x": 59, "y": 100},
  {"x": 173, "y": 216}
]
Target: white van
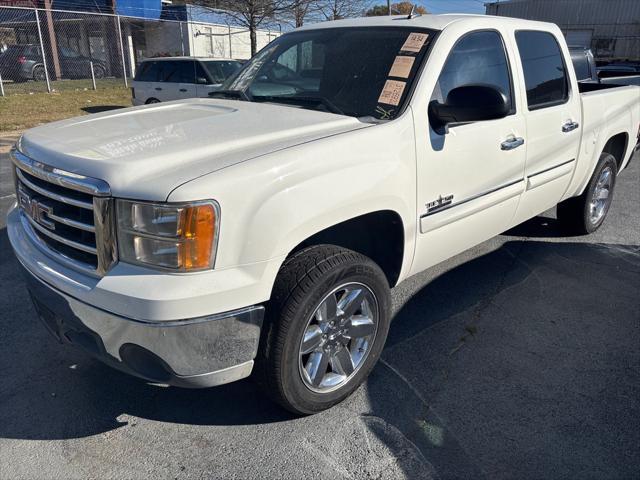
[{"x": 173, "y": 78}]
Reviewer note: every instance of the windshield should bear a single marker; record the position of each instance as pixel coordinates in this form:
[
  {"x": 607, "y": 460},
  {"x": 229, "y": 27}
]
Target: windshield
[{"x": 360, "y": 72}]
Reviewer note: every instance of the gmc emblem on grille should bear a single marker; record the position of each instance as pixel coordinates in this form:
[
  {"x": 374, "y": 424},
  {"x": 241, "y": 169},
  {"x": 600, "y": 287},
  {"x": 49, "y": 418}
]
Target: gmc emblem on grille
[{"x": 38, "y": 212}]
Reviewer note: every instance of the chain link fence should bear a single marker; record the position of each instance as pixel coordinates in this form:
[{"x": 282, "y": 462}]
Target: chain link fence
[{"x": 53, "y": 50}]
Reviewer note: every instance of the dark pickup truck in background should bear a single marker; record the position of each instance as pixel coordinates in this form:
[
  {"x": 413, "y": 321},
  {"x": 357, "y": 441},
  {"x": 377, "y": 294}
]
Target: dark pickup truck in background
[{"x": 587, "y": 70}]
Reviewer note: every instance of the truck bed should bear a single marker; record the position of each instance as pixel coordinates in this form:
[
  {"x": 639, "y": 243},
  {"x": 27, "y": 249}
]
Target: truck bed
[{"x": 616, "y": 106}]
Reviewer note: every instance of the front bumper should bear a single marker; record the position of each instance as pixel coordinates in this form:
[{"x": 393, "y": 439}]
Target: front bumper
[{"x": 193, "y": 353}]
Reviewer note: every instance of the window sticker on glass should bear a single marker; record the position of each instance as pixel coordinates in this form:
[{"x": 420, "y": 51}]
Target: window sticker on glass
[
  {"x": 392, "y": 92},
  {"x": 414, "y": 42},
  {"x": 401, "y": 66}
]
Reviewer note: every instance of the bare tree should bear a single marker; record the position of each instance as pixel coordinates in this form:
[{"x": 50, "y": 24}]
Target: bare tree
[
  {"x": 337, "y": 9},
  {"x": 300, "y": 12},
  {"x": 250, "y": 14}
]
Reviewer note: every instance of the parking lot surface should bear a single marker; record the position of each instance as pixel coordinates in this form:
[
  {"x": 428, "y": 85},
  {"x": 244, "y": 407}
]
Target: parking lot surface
[{"x": 517, "y": 359}]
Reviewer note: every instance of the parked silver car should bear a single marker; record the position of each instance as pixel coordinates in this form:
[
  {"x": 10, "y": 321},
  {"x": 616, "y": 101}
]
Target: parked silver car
[{"x": 173, "y": 78}]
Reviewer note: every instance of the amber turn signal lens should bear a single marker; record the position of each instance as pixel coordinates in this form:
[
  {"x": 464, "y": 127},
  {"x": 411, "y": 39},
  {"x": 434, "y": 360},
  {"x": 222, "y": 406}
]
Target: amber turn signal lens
[{"x": 198, "y": 233}]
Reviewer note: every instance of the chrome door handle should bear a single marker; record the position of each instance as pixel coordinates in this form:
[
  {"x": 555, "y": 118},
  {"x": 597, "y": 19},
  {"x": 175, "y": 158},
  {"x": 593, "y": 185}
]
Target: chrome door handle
[
  {"x": 511, "y": 143},
  {"x": 570, "y": 126}
]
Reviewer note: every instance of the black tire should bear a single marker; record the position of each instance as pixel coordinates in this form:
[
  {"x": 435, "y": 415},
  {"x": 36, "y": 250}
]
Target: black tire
[
  {"x": 304, "y": 280},
  {"x": 98, "y": 72},
  {"x": 152, "y": 100},
  {"x": 39, "y": 74},
  {"x": 575, "y": 214}
]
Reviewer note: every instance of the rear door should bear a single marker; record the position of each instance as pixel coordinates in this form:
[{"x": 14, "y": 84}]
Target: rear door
[{"x": 553, "y": 119}]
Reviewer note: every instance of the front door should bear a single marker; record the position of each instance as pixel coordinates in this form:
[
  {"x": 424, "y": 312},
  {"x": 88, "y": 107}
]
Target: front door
[{"x": 470, "y": 177}]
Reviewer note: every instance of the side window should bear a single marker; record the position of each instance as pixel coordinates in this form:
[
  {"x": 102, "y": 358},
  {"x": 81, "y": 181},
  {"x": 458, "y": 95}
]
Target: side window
[
  {"x": 214, "y": 71},
  {"x": 187, "y": 71},
  {"x": 478, "y": 57},
  {"x": 148, "y": 72},
  {"x": 178, "y": 72},
  {"x": 545, "y": 74}
]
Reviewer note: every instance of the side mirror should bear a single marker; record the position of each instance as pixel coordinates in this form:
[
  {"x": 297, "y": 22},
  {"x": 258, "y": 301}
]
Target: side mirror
[
  {"x": 469, "y": 103},
  {"x": 202, "y": 81}
]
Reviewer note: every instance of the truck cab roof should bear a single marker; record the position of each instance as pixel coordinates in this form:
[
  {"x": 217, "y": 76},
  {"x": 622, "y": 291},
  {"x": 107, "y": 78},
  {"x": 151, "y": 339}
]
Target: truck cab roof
[{"x": 433, "y": 22}]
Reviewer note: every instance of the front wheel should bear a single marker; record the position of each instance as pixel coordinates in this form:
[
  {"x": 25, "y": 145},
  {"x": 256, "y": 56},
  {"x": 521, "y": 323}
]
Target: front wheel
[
  {"x": 326, "y": 325},
  {"x": 586, "y": 213}
]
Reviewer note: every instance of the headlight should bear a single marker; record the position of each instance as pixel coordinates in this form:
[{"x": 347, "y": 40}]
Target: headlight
[{"x": 177, "y": 237}]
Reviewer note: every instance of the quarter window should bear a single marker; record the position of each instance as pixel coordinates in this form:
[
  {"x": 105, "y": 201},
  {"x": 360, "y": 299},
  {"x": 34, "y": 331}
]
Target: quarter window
[
  {"x": 148, "y": 72},
  {"x": 545, "y": 74},
  {"x": 478, "y": 58}
]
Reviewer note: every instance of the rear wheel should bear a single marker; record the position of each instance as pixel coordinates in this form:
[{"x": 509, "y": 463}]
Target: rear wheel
[
  {"x": 586, "y": 213},
  {"x": 152, "y": 100},
  {"x": 326, "y": 326},
  {"x": 98, "y": 72},
  {"x": 39, "y": 74}
]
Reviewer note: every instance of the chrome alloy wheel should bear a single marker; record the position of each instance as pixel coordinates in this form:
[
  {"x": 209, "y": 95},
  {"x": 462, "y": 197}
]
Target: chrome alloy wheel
[
  {"x": 338, "y": 337},
  {"x": 600, "y": 199}
]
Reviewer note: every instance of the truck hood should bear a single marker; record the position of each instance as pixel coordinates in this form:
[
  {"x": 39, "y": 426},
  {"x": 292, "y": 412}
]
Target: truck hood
[{"x": 145, "y": 152}]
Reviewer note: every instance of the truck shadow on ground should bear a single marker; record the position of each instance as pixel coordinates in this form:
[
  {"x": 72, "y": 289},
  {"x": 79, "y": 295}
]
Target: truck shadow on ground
[
  {"x": 458, "y": 325},
  {"x": 101, "y": 108}
]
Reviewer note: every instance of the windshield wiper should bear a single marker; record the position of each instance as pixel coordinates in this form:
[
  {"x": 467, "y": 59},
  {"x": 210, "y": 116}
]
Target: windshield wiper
[
  {"x": 237, "y": 94},
  {"x": 302, "y": 100}
]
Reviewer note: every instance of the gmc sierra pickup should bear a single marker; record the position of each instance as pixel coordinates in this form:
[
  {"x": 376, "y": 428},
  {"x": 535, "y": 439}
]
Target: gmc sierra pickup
[{"x": 193, "y": 242}]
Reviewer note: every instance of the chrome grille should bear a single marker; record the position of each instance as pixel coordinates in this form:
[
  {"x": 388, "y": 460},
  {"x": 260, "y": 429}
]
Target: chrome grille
[{"x": 68, "y": 216}]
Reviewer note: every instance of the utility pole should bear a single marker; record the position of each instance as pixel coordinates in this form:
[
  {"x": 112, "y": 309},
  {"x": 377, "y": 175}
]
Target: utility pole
[
  {"x": 52, "y": 39},
  {"x": 388, "y": 7}
]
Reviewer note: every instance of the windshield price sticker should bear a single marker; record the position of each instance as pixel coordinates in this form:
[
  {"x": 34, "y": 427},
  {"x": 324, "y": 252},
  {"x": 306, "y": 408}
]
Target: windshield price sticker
[
  {"x": 392, "y": 92},
  {"x": 401, "y": 66},
  {"x": 415, "y": 41}
]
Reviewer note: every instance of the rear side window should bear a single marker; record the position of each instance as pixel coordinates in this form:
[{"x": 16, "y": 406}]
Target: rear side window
[
  {"x": 147, "y": 72},
  {"x": 545, "y": 74},
  {"x": 478, "y": 58}
]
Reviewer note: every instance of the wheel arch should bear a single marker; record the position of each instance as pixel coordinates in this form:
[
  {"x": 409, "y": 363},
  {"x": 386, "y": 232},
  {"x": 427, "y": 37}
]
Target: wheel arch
[
  {"x": 383, "y": 240},
  {"x": 36, "y": 65},
  {"x": 617, "y": 145}
]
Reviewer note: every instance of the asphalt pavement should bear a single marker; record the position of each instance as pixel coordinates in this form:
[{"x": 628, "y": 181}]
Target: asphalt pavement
[{"x": 517, "y": 359}]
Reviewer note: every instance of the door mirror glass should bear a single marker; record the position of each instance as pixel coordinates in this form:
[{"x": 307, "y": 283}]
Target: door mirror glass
[
  {"x": 202, "y": 81},
  {"x": 469, "y": 103}
]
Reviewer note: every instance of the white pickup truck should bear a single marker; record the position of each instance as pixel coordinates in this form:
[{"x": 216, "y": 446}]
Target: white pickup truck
[{"x": 193, "y": 242}]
